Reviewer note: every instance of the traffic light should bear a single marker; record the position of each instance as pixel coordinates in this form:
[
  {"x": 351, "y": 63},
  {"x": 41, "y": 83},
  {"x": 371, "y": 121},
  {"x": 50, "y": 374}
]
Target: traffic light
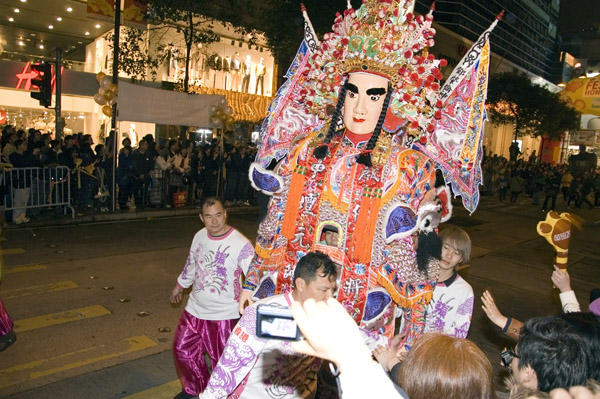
[{"x": 44, "y": 82}]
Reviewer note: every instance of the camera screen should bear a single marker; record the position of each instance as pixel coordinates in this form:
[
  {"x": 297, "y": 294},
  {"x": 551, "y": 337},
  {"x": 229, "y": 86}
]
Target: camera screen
[{"x": 276, "y": 327}]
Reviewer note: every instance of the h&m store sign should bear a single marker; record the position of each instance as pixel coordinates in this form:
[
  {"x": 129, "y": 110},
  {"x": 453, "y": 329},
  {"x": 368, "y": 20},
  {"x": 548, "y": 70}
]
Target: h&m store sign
[{"x": 18, "y": 75}]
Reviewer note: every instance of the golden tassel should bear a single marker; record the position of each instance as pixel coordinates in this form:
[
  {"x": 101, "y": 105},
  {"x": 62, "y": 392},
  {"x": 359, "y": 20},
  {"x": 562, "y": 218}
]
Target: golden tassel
[{"x": 296, "y": 189}]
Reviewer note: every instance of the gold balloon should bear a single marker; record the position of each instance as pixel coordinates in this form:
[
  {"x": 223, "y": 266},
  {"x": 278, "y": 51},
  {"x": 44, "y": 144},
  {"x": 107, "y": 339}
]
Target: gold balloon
[
  {"x": 114, "y": 88},
  {"x": 99, "y": 76},
  {"x": 108, "y": 95},
  {"x": 107, "y": 110}
]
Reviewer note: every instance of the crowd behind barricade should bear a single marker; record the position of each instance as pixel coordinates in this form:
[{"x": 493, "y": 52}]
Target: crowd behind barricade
[
  {"x": 577, "y": 183},
  {"x": 169, "y": 173}
]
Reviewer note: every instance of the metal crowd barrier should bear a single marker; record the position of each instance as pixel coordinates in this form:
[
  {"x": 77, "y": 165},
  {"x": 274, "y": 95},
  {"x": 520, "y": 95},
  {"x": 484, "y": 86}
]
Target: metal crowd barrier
[{"x": 48, "y": 188}]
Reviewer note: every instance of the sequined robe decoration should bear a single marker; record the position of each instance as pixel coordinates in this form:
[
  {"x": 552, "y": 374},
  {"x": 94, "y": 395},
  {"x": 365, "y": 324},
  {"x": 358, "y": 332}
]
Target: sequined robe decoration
[{"x": 333, "y": 191}]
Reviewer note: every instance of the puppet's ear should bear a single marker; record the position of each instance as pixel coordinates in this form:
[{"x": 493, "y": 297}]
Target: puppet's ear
[
  {"x": 400, "y": 221},
  {"x": 443, "y": 193},
  {"x": 264, "y": 180}
]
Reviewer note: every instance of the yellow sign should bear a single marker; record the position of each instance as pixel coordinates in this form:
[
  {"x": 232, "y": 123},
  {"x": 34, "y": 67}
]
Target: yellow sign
[{"x": 583, "y": 95}]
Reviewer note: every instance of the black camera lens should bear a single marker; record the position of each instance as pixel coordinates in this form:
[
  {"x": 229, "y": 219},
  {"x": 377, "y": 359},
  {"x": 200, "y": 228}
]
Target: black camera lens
[{"x": 507, "y": 356}]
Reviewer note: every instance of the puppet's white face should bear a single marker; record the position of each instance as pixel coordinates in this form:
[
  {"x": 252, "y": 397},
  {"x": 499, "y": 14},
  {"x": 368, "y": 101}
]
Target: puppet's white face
[{"x": 364, "y": 101}]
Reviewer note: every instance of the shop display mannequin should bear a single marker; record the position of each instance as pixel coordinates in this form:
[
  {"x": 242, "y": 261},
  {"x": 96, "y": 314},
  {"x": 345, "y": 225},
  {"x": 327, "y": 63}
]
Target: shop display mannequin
[
  {"x": 246, "y": 72},
  {"x": 196, "y": 63},
  {"x": 259, "y": 72},
  {"x": 216, "y": 64},
  {"x": 236, "y": 66},
  {"x": 226, "y": 69},
  {"x": 373, "y": 185}
]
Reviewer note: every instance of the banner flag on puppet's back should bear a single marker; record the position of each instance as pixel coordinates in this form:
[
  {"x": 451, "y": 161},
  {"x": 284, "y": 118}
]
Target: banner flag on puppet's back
[
  {"x": 278, "y": 134},
  {"x": 456, "y": 142}
]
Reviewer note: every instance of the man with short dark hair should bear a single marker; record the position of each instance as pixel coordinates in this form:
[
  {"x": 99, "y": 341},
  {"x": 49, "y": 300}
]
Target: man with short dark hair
[
  {"x": 142, "y": 164},
  {"x": 218, "y": 258},
  {"x": 21, "y": 179},
  {"x": 549, "y": 355},
  {"x": 252, "y": 367}
]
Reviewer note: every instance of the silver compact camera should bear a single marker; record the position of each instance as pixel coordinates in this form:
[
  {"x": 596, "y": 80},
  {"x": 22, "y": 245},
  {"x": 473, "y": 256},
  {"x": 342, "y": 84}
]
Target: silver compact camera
[{"x": 276, "y": 322}]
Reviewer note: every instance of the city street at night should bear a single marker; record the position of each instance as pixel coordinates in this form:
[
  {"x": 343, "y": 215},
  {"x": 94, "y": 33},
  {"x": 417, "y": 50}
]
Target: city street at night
[{"x": 91, "y": 301}]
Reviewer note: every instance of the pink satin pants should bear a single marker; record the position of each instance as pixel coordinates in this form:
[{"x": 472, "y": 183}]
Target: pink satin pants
[
  {"x": 6, "y": 324},
  {"x": 195, "y": 337}
]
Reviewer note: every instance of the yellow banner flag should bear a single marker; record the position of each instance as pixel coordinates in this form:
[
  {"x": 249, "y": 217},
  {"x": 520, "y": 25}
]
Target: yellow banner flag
[{"x": 583, "y": 95}]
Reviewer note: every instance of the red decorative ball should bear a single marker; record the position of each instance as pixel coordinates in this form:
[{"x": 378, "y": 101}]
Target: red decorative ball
[
  {"x": 430, "y": 128},
  {"x": 423, "y": 139},
  {"x": 443, "y": 62}
]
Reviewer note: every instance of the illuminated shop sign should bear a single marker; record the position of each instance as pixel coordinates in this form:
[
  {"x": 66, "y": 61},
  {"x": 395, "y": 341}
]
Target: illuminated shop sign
[{"x": 25, "y": 76}]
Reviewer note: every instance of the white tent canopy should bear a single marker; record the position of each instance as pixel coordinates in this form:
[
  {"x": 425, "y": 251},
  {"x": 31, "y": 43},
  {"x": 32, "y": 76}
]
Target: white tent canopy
[{"x": 164, "y": 107}]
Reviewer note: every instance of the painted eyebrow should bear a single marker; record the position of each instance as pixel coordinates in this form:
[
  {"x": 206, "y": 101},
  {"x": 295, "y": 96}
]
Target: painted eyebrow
[
  {"x": 352, "y": 88},
  {"x": 376, "y": 91}
]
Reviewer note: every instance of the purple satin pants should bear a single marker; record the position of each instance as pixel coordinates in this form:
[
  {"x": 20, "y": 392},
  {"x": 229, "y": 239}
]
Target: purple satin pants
[
  {"x": 6, "y": 324},
  {"x": 195, "y": 337}
]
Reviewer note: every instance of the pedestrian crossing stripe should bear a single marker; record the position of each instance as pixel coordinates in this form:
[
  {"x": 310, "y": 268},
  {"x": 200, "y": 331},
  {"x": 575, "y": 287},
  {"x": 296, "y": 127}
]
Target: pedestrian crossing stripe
[
  {"x": 45, "y": 367},
  {"x": 164, "y": 391},
  {"x": 25, "y": 268},
  {"x": 53, "y": 319},
  {"x": 39, "y": 289},
  {"x": 12, "y": 251}
]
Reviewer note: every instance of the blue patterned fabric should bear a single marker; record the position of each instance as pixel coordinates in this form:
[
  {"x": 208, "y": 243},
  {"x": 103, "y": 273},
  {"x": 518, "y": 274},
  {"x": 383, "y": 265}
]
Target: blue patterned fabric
[
  {"x": 265, "y": 181},
  {"x": 377, "y": 302},
  {"x": 401, "y": 219},
  {"x": 265, "y": 289}
]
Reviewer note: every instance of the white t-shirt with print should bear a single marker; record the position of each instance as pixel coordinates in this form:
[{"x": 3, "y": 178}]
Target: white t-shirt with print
[{"x": 215, "y": 266}]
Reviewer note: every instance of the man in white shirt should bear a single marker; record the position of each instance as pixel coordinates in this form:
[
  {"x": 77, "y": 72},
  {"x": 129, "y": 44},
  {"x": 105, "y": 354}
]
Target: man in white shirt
[
  {"x": 252, "y": 367},
  {"x": 218, "y": 257}
]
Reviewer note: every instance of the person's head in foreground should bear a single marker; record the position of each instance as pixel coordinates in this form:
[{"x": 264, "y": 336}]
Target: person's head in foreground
[
  {"x": 587, "y": 326},
  {"x": 549, "y": 355},
  {"x": 314, "y": 277},
  {"x": 440, "y": 366}
]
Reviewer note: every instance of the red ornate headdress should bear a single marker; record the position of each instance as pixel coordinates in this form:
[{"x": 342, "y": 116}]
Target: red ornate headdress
[{"x": 381, "y": 37}]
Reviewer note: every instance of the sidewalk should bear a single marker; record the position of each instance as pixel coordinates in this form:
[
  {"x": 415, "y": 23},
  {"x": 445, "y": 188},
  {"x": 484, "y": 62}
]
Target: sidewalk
[{"x": 46, "y": 219}]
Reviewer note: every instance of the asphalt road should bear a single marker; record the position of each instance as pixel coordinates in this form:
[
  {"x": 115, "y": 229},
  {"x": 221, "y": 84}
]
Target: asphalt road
[{"x": 93, "y": 318}]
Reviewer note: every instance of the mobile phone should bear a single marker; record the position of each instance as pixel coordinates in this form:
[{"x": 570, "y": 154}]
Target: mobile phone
[{"x": 276, "y": 322}]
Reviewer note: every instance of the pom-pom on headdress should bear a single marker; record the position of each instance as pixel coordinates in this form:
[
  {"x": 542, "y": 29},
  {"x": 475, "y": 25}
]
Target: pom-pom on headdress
[{"x": 381, "y": 37}]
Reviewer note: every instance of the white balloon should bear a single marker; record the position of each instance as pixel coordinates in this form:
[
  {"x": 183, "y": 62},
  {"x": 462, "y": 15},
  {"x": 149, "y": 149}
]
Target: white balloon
[
  {"x": 213, "y": 108},
  {"x": 223, "y": 101},
  {"x": 113, "y": 101},
  {"x": 228, "y": 110},
  {"x": 105, "y": 82}
]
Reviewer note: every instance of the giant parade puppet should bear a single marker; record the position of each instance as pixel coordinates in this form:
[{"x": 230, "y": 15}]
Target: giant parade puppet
[{"x": 356, "y": 133}]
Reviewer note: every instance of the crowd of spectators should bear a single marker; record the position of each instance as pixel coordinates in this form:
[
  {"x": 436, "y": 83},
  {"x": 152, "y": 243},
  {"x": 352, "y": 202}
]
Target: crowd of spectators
[
  {"x": 575, "y": 184},
  {"x": 169, "y": 173}
]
